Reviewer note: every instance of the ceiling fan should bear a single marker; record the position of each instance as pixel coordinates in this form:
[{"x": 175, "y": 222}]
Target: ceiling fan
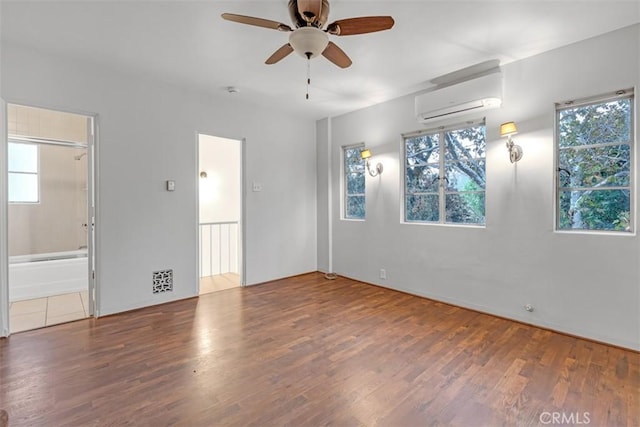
[{"x": 308, "y": 38}]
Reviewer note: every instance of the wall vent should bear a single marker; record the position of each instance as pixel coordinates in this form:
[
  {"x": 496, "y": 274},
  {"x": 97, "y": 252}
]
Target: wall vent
[{"x": 162, "y": 281}]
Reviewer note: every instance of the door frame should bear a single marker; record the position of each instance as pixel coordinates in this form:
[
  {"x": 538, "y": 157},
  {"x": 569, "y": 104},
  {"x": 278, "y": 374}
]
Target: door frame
[
  {"x": 241, "y": 221},
  {"x": 4, "y": 225},
  {"x": 92, "y": 212}
]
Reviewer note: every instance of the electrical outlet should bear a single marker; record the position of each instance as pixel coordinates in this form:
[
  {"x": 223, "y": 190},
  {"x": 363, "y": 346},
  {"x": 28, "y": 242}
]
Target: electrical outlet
[
  {"x": 257, "y": 186},
  {"x": 383, "y": 273}
]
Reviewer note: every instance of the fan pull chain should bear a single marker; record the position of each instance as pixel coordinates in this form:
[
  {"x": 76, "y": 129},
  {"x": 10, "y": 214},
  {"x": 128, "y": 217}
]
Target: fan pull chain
[{"x": 308, "y": 74}]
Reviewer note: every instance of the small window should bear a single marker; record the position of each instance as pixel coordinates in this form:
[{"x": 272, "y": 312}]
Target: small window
[
  {"x": 444, "y": 175},
  {"x": 354, "y": 182},
  {"x": 23, "y": 173},
  {"x": 594, "y": 143}
]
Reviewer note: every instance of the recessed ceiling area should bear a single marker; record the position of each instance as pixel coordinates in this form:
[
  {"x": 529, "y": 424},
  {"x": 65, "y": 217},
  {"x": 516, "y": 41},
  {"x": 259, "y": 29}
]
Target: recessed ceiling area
[{"x": 187, "y": 43}]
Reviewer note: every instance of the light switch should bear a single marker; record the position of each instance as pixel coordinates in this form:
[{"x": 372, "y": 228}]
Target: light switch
[{"x": 171, "y": 185}]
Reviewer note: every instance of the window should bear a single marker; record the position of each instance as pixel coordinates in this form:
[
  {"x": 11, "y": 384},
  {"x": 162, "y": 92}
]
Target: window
[
  {"x": 594, "y": 163},
  {"x": 354, "y": 170},
  {"x": 23, "y": 173},
  {"x": 445, "y": 175}
]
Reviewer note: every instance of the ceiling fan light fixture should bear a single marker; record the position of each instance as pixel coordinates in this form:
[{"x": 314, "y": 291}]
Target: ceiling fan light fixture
[{"x": 309, "y": 42}]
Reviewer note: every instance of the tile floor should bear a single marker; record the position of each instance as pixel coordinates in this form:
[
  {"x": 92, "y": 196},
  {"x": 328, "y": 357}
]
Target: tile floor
[
  {"x": 219, "y": 282},
  {"x": 41, "y": 312}
]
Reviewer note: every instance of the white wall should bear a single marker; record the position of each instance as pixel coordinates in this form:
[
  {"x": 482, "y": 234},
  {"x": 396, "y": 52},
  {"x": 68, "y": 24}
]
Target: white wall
[
  {"x": 147, "y": 134},
  {"x": 583, "y": 284}
]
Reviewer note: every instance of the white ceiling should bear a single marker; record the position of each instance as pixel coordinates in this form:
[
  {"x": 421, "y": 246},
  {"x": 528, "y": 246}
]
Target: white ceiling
[{"x": 186, "y": 42}]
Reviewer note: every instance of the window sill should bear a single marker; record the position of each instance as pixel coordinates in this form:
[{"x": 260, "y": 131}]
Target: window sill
[
  {"x": 595, "y": 233},
  {"x": 437, "y": 224}
]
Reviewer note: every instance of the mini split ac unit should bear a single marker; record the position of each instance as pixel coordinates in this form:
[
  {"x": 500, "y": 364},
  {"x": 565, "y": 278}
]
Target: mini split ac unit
[{"x": 474, "y": 95}]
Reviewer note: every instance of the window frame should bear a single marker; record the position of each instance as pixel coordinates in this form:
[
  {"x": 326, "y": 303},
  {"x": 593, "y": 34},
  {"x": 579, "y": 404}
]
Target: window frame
[
  {"x": 345, "y": 184},
  {"x": 595, "y": 100},
  {"x": 21, "y": 172},
  {"x": 442, "y": 190}
]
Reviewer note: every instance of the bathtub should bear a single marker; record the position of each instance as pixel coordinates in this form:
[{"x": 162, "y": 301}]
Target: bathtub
[{"x": 41, "y": 275}]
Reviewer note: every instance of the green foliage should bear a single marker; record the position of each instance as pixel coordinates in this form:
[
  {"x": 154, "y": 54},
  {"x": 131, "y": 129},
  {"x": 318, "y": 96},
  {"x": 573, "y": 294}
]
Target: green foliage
[
  {"x": 474, "y": 202},
  {"x": 623, "y": 221},
  {"x": 422, "y": 207},
  {"x": 354, "y": 167},
  {"x": 594, "y": 166},
  {"x": 463, "y": 177},
  {"x": 600, "y": 123},
  {"x": 355, "y": 207}
]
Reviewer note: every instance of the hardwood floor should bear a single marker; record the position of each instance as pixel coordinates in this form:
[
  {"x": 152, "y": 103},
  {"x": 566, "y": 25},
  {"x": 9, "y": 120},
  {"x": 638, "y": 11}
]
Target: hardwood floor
[{"x": 307, "y": 351}]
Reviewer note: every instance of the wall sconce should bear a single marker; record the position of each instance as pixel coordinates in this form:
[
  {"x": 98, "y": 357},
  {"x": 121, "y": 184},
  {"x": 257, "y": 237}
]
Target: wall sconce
[
  {"x": 366, "y": 154},
  {"x": 203, "y": 174},
  {"x": 515, "y": 151}
]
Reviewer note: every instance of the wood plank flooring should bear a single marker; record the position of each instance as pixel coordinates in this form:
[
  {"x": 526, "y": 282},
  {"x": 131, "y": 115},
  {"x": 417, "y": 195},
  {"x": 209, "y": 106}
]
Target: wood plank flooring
[{"x": 306, "y": 351}]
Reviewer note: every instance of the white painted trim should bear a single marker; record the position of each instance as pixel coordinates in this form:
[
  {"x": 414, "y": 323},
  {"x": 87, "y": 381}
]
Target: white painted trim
[
  {"x": 242, "y": 222},
  {"x": 92, "y": 182},
  {"x": 197, "y": 218},
  {"x": 243, "y": 212},
  {"x": 92, "y": 238},
  {"x": 330, "y": 194},
  {"x": 4, "y": 227}
]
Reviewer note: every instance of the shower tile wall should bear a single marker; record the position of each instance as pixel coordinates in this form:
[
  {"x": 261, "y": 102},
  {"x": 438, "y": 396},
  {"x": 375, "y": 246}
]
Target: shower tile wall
[
  {"x": 42, "y": 123},
  {"x": 56, "y": 223}
]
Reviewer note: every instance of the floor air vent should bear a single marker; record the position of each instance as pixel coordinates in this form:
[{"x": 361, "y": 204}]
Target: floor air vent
[{"x": 162, "y": 281}]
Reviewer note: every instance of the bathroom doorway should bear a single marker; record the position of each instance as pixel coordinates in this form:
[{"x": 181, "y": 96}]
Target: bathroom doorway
[
  {"x": 220, "y": 213},
  {"x": 50, "y": 163}
]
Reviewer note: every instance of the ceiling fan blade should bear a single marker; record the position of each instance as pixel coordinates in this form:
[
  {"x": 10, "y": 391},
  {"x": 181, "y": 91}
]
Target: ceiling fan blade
[
  {"x": 309, "y": 9},
  {"x": 336, "y": 55},
  {"x": 279, "y": 54},
  {"x": 362, "y": 25},
  {"x": 258, "y": 22}
]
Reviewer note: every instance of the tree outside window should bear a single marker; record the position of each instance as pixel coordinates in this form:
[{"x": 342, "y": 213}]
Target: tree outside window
[
  {"x": 445, "y": 175},
  {"x": 594, "y": 145},
  {"x": 354, "y": 182}
]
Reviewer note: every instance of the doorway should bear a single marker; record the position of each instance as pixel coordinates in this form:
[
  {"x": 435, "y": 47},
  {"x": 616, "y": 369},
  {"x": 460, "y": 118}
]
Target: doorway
[
  {"x": 50, "y": 158},
  {"x": 219, "y": 213}
]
